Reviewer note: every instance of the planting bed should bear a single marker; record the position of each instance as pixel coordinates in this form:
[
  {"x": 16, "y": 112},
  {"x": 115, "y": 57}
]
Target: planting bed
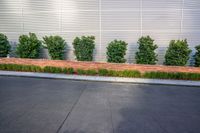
[{"x": 98, "y": 65}]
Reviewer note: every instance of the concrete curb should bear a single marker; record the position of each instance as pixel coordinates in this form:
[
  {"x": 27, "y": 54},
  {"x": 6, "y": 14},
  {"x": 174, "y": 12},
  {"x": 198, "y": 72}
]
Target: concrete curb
[{"x": 101, "y": 78}]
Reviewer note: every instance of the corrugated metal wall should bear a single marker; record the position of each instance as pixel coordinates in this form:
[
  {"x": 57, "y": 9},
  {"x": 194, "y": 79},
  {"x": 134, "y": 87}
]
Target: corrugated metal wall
[{"x": 163, "y": 20}]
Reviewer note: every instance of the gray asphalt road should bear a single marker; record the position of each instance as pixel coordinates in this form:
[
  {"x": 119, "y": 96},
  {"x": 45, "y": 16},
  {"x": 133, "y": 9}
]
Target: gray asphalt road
[{"x": 29, "y": 105}]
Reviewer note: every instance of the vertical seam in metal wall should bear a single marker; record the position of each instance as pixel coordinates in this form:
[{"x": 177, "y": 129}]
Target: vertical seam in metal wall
[
  {"x": 141, "y": 21},
  {"x": 182, "y": 11},
  {"x": 60, "y": 22},
  {"x": 22, "y": 16},
  {"x": 100, "y": 41}
]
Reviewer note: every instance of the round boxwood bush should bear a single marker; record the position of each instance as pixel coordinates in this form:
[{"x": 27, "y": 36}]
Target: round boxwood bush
[
  {"x": 197, "y": 56},
  {"x": 146, "y": 53},
  {"x": 177, "y": 53},
  {"x": 4, "y": 45},
  {"x": 29, "y": 46},
  {"x": 116, "y": 51},
  {"x": 56, "y": 46},
  {"x": 84, "y": 47}
]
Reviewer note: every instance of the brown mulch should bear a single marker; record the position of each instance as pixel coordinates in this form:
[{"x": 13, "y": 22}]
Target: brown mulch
[{"x": 98, "y": 65}]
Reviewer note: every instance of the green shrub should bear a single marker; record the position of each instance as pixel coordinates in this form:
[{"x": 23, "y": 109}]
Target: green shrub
[
  {"x": 86, "y": 72},
  {"x": 30, "y": 68},
  {"x": 2, "y": 67},
  {"x": 103, "y": 72},
  {"x": 51, "y": 69},
  {"x": 68, "y": 70},
  {"x": 17, "y": 67},
  {"x": 178, "y": 53},
  {"x": 177, "y": 75},
  {"x": 158, "y": 75},
  {"x": 91, "y": 72},
  {"x": 146, "y": 53},
  {"x": 116, "y": 51},
  {"x": 125, "y": 73},
  {"x": 197, "y": 56},
  {"x": 29, "y": 46},
  {"x": 36, "y": 69},
  {"x": 84, "y": 47},
  {"x": 81, "y": 71},
  {"x": 56, "y": 46},
  {"x": 4, "y": 45},
  {"x": 130, "y": 73}
]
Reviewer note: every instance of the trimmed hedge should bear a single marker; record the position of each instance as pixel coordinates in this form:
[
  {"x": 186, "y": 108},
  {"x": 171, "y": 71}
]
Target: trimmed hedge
[
  {"x": 84, "y": 47},
  {"x": 17, "y": 67},
  {"x": 197, "y": 56},
  {"x": 146, "y": 53},
  {"x": 125, "y": 73},
  {"x": 51, "y": 69},
  {"x": 116, "y": 51},
  {"x": 29, "y": 46},
  {"x": 4, "y": 45},
  {"x": 102, "y": 72},
  {"x": 56, "y": 46},
  {"x": 177, "y": 53},
  {"x": 86, "y": 72},
  {"x": 178, "y": 75},
  {"x": 68, "y": 70}
]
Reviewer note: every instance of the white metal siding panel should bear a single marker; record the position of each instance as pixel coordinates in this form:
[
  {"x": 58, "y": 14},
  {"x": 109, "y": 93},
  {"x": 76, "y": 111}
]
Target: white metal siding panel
[
  {"x": 41, "y": 22},
  {"x": 107, "y": 20},
  {"x": 10, "y": 5},
  {"x": 120, "y": 5},
  {"x": 129, "y": 20},
  {"x": 191, "y": 20},
  {"x": 192, "y": 4},
  {"x": 10, "y": 22},
  {"x": 41, "y": 5},
  {"x": 80, "y": 5},
  {"x": 162, "y": 21},
  {"x": 162, "y": 4},
  {"x": 80, "y": 21}
]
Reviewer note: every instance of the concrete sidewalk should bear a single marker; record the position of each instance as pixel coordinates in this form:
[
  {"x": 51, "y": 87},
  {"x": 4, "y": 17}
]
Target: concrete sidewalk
[{"x": 101, "y": 78}]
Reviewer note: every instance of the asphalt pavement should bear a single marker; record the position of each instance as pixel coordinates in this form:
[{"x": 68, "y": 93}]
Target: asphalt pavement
[{"x": 36, "y": 105}]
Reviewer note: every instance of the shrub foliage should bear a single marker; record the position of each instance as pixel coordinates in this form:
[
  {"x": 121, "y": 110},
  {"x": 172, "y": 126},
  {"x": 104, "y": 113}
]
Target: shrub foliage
[
  {"x": 84, "y": 47},
  {"x": 51, "y": 69},
  {"x": 68, "y": 70},
  {"x": 177, "y": 53},
  {"x": 4, "y": 45},
  {"x": 197, "y": 56},
  {"x": 125, "y": 73},
  {"x": 56, "y": 46},
  {"x": 29, "y": 46},
  {"x": 177, "y": 75},
  {"x": 102, "y": 72},
  {"x": 17, "y": 67},
  {"x": 86, "y": 72},
  {"x": 146, "y": 53},
  {"x": 116, "y": 51}
]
